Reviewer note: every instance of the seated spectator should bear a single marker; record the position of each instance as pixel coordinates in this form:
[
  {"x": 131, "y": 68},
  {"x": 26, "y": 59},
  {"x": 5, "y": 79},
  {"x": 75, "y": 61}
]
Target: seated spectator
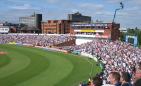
[
  {"x": 114, "y": 78},
  {"x": 97, "y": 81},
  {"x": 138, "y": 72},
  {"x": 125, "y": 79}
]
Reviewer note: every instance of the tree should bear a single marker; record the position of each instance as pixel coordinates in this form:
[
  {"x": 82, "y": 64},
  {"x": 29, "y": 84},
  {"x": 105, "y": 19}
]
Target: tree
[{"x": 122, "y": 36}]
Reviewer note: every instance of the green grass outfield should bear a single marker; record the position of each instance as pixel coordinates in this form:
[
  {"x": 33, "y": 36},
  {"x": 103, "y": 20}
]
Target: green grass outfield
[{"x": 24, "y": 66}]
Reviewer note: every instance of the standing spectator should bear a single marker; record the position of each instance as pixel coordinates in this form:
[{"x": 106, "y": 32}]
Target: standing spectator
[{"x": 138, "y": 72}]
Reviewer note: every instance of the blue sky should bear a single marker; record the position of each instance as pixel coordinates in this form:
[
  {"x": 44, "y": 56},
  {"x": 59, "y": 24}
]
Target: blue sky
[{"x": 103, "y": 10}]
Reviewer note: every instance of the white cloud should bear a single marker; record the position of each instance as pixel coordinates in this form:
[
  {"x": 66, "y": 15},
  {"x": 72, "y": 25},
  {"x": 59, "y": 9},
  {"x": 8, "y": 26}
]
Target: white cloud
[
  {"x": 137, "y": 2},
  {"x": 92, "y": 6},
  {"x": 115, "y": 1},
  {"x": 17, "y": 1},
  {"x": 129, "y": 16},
  {"x": 53, "y": 1},
  {"x": 23, "y": 7},
  {"x": 74, "y": 10},
  {"x": 135, "y": 8}
]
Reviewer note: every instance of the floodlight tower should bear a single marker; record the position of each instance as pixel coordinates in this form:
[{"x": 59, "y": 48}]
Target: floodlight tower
[
  {"x": 121, "y": 7},
  {"x": 113, "y": 22}
]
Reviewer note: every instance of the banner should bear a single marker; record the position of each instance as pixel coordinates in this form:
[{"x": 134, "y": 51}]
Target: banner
[{"x": 12, "y": 43}]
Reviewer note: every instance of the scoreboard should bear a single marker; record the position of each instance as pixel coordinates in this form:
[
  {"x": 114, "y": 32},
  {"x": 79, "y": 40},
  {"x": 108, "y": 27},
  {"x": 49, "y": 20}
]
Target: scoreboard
[
  {"x": 90, "y": 30},
  {"x": 96, "y": 24},
  {"x": 90, "y": 26}
]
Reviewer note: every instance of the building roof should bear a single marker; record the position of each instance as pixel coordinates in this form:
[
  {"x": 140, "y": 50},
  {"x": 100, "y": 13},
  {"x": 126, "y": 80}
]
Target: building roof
[{"x": 29, "y": 28}]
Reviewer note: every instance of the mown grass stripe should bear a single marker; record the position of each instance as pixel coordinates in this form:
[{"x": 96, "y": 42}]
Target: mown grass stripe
[
  {"x": 33, "y": 69},
  {"x": 81, "y": 69},
  {"x": 49, "y": 69},
  {"x": 17, "y": 63},
  {"x": 4, "y": 60},
  {"x": 58, "y": 69}
]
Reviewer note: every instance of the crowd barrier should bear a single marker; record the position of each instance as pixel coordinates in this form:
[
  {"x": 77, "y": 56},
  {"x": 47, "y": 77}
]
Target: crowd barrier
[
  {"x": 52, "y": 49},
  {"x": 89, "y": 55}
]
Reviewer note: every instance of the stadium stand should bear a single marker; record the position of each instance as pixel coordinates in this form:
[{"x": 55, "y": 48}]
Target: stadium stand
[
  {"x": 115, "y": 56},
  {"x": 34, "y": 39}
]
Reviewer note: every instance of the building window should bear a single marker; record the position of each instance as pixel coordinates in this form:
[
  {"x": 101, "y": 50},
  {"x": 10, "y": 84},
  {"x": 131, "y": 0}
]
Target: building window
[
  {"x": 55, "y": 21},
  {"x": 49, "y": 21}
]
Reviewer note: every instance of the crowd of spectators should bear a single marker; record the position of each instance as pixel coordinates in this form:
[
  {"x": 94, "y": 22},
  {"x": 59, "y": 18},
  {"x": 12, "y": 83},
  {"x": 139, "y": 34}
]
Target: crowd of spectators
[
  {"x": 40, "y": 40},
  {"x": 115, "y": 55}
]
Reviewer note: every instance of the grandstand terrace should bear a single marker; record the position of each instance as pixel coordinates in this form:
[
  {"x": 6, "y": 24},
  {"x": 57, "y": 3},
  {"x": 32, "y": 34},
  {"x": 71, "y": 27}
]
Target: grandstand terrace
[
  {"x": 35, "y": 39},
  {"x": 114, "y": 55}
]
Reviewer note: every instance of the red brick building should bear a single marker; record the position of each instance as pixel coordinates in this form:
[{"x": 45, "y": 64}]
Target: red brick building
[{"x": 56, "y": 27}]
